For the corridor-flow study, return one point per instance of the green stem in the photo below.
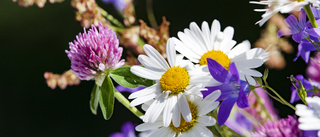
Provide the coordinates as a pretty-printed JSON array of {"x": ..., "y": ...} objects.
[
  {"x": 111, "y": 18},
  {"x": 283, "y": 100},
  {"x": 310, "y": 16},
  {"x": 262, "y": 105},
  {"x": 151, "y": 16},
  {"x": 126, "y": 103}
]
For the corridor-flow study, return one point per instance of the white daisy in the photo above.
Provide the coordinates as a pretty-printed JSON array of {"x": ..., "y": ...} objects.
[
  {"x": 196, "y": 128},
  {"x": 199, "y": 44},
  {"x": 174, "y": 82},
  {"x": 309, "y": 116},
  {"x": 282, "y": 6}
]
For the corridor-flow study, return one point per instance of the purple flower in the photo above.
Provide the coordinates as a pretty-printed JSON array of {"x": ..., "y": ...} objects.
[
  {"x": 313, "y": 70},
  {"x": 94, "y": 53},
  {"x": 120, "y": 5},
  {"x": 127, "y": 130},
  {"x": 287, "y": 127},
  {"x": 307, "y": 85},
  {"x": 130, "y": 90},
  {"x": 232, "y": 90},
  {"x": 304, "y": 49}
]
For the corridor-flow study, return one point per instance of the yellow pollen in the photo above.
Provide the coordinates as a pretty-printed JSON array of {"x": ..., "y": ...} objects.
[
  {"x": 185, "y": 126},
  {"x": 218, "y": 56},
  {"x": 175, "y": 79}
]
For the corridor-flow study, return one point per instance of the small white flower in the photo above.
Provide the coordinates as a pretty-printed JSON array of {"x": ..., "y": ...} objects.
[
  {"x": 282, "y": 6},
  {"x": 199, "y": 44},
  {"x": 195, "y": 128},
  {"x": 174, "y": 83},
  {"x": 309, "y": 116}
]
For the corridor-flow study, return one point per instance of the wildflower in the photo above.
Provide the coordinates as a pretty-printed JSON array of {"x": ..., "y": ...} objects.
[
  {"x": 94, "y": 53},
  {"x": 195, "y": 128},
  {"x": 304, "y": 49},
  {"x": 232, "y": 90},
  {"x": 309, "y": 115},
  {"x": 306, "y": 85},
  {"x": 127, "y": 130},
  {"x": 120, "y": 5},
  {"x": 130, "y": 90},
  {"x": 198, "y": 45},
  {"x": 287, "y": 127},
  {"x": 282, "y": 6},
  {"x": 313, "y": 69},
  {"x": 174, "y": 83}
]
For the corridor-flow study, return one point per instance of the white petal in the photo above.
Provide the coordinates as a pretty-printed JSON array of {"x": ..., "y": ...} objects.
[
  {"x": 154, "y": 54},
  {"x": 197, "y": 36},
  {"x": 250, "y": 80},
  {"x": 150, "y": 63},
  {"x": 143, "y": 92},
  {"x": 142, "y": 99},
  {"x": 251, "y": 63},
  {"x": 185, "y": 109},
  {"x": 206, "y": 35},
  {"x": 146, "y": 73},
  {"x": 250, "y": 72},
  {"x": 239, "y": 49},
  {"x": 155, "y": 109},
  {"x": 215, "y": 29},
  {"x": 206, "y": 120},
  {"x": 171, "y": 53},
  {"x": 185, "y": 50},
  {"x": 176, "y": 113},
  {"x": 149, "y": 126},
  {"x": 168, "y": 110},
  {"x": 205, "y": 132},
  {"x": 162, "y": 132},
  {"x": 206, "y": 106}
]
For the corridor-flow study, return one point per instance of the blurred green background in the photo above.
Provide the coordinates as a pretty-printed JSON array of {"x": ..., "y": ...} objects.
[{"x": 34, "y": 40}]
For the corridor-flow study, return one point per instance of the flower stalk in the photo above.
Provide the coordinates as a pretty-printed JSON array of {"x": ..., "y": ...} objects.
[{"x": 123, "y": 100}]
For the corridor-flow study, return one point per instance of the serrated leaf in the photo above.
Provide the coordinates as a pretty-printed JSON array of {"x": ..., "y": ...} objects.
[
  {"x": 106, "y": 98},
  {"x": 94, "y": 100},
  {"x": 124, "y": 77}
]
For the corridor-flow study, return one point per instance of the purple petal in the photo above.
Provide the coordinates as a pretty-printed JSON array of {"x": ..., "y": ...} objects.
[
  {"x": 128, "y": 129},
  {"x": 315, "y": 32},
  {"x": 130, "y": 90},
  {"x": 225, "y": 109},
  {"x": 118, "y": 134},
  {"x": 310, "y": 133},
  {"x": 225, "y": 90},
  {"x": 242, "y": 100},
  {"x": 233, "y": 70},
  {"x": 245, "y": 87},
  {"x": 217, "y": 71},
  {"x": 297, "y": 37},
  {"x": 294, "y": 95},
  {"x": 304, "y": 49},
  {"x": 292, "y": 22}
]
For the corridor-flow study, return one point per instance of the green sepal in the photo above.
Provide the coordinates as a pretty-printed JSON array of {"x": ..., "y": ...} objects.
[
  {"x": 106, "y": 98},
  {"x": 265, "y": 74},
  {"x": 94, "y": 100},
  {"x": 124, "y": 77},
  {"x": 259, "y": 80}
]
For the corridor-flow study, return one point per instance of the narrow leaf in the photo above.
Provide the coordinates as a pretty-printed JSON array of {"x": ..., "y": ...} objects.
[
  {"x": 124, "y": 77},
  {"x": 94, "y": 99},
  {"x": 106, "y": 98}
]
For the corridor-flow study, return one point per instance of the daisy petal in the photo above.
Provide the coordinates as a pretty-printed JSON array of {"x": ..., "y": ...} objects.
[
  {"x": 146, "y": 73},
  {"x": 171, "y": 53},
  {"x": 156, "y": 56}
]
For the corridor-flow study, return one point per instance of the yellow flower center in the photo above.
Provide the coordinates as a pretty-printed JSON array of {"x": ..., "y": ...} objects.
[
  {"x": 218, "y": 56},
  {"x": 185, "y": 126},
  {"x": 175, "y": 79}
]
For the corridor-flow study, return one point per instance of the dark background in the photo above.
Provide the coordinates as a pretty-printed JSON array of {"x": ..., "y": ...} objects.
[{"x": 33, "y": 40}]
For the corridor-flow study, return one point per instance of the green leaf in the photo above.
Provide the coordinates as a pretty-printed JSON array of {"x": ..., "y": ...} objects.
[
  {"x": 124, "y": 77},
  {"x": 94, "y": 100},
  {"x": 106, "y": 99}
]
